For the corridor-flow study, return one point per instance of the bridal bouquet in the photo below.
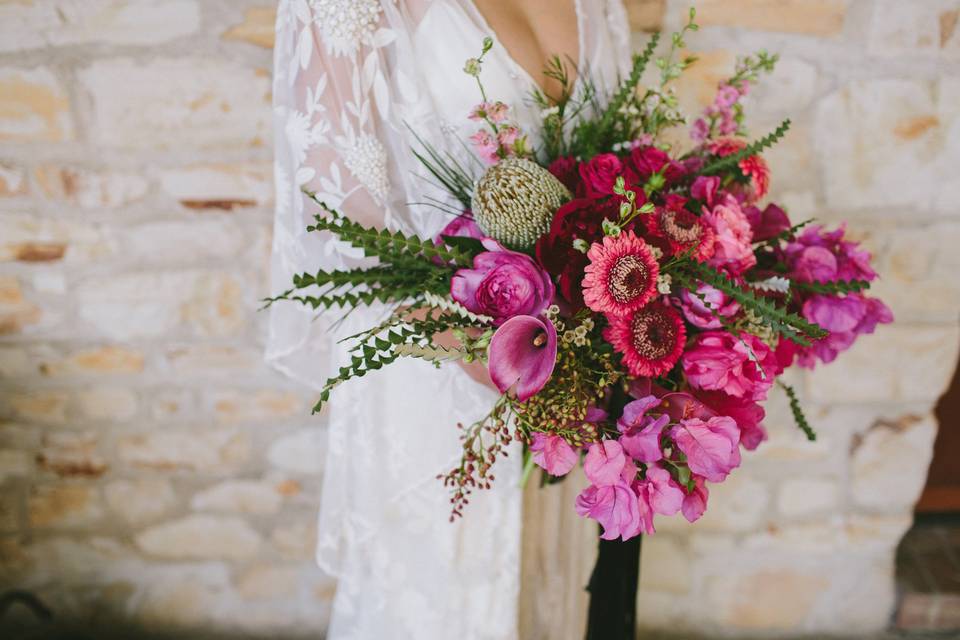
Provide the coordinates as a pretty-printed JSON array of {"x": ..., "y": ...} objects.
[{"x": 633, "y": 299}]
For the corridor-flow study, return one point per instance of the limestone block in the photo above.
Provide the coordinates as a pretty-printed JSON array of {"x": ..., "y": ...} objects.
[
  {"x": 239, "y": 496},
  {"x": 178, "y": 103},
  {"x": 61, "y": 506},
  {"x": 804, "y": 497},
  {"x": 34, "y": 106},
  {"x": 140, "y": 501},
  {"x": 43, "y": 23},
  {"x": 201, "y": 537},
  {"x": 208, "y": 450},
  {"x": 301, "y": 451},
  {"x": 890, "y": 143},
  {"x": 811, "y": 17},
  {"x": 889, "y": 463}
]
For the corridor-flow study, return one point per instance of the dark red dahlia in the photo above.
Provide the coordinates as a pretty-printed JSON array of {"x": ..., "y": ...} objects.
[{"x": 578, "y": 219}]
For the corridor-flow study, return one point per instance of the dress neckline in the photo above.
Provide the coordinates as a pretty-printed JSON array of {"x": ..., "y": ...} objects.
[{"x": 520, "y": 69}]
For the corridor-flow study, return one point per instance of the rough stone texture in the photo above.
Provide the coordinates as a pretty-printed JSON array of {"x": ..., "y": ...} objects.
[{"x": 153, "y": 470}]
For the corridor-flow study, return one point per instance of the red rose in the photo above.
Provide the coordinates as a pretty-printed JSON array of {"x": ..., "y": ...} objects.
[
  {"x": 646, "y": 161},
  {"x": 600, "y": 173},
  {"x": 564, "y": 169},
  {"x": 580, "y": 218}
]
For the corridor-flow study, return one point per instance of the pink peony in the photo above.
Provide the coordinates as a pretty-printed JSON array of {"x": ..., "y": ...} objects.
[
  {"x": 553, "y": 454},
  {"x": 712, "y": 447},
  {"x": 600, "y": 173},
  {"x": 641, "y": 433},
  {"x": 616, "y": 507},
  {"x": 502, "y": 284},
  {"x": 733, "y": 241},
  {"x": 719, "y": 361},
  {"x": 695, "y": 502},
  {"x": 696, "y": 310}
]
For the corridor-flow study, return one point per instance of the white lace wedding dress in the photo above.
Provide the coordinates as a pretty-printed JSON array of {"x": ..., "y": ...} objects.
[{"x": 352, "y": 79}]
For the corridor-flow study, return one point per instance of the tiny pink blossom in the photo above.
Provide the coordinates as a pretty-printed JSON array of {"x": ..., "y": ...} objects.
[
  {"x": 700, "y": 130},
  {"x": 604, "y": 462},
  {"x": 486, "y": 145},
  {"x": 493, "y": 111},
  {"x": 553, "y": 454},
  {"x": 712, "y": 447}
]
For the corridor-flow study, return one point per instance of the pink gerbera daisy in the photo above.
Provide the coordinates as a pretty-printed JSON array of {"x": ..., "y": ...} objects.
[
  {"x": 621, "y": 276},
  {"x": 651, "y": 340}
]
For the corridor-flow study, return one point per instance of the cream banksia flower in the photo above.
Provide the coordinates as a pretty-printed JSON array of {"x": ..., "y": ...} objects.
[{"x": 515, "y": 200}]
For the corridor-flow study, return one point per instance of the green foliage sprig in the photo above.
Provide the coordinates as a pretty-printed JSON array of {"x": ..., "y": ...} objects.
[
  {"x": 797, "y": 410},
  {"x": 751, "y": 149},
  {"x": 834, "y": 288},
  {"x": 789, "y": 325}
]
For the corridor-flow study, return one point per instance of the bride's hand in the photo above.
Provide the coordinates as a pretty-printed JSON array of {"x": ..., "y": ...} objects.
[{"x": 475, "y": 369}]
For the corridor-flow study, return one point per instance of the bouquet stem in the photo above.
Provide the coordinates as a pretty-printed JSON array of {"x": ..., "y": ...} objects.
[{"x": 613, "y": 591}]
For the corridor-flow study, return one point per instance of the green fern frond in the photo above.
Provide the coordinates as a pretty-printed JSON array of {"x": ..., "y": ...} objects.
[
  {"x": 834, "y": 288},
  {"x": 797, "y": 410},
  {"x": 751, "y": 149}
]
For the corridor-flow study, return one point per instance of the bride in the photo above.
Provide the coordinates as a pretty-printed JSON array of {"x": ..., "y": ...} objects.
[{"x": 355, "y": 83}]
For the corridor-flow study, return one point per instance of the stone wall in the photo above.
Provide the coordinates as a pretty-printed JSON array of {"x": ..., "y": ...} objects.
[{"x": 154, "y": 470}]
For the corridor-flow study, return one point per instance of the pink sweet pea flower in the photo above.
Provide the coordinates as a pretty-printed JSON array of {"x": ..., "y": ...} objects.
[
  {"x": 695, "y": 502},
  {"x": 523, "y": 352},
  {"x": 641, "y": 433},
  {"x": 553, "y": 454},
  {"x": 695, "y": 307},
  {"x": 604, "y": 463},
  {"x": 614, "y": 506},
  {"x": 747, "y": 414},
  {"x": 719, "y": 361},
  {"x": 663, "y": 493},
  {"x": 712, "y": 447}
]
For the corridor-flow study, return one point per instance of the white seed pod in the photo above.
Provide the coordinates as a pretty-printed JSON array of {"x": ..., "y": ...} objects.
[{"x": 515, "y": 200}]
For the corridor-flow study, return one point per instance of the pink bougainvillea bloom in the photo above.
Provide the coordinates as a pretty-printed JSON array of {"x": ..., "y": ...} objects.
[
  {"x": 553, "y": 454},
  {"x": 486, "y": 146},
  {"x": 695, "y": 502},
  {"x": 768, "y": 222},
  {"x": 621, "y": 276},
  {"x": 712, "y": 447},
  {"x": 747, "y": 414},
  {"x": 604, "y": 462},
  {"x": 614, "y": 506},
  {"x": 702, "y": 310},
  {"x": 850, "y": 262},
  {"x": 641, "y": 433},
  {"x": 522, "y": 353},
  {"x": 832, "y": 312},
  {"x": 663, "y": 493},
  {"x": 651, "y": 340},
  {"x": 720, "y": 361},
  {"x": 733, "y": 237}
]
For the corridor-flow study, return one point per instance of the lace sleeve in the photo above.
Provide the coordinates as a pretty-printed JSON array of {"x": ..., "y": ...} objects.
[{"x": 333, "y": 98}]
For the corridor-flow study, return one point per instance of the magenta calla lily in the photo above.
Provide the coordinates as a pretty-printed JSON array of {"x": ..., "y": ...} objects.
[{"x": 523, "y": 353}]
